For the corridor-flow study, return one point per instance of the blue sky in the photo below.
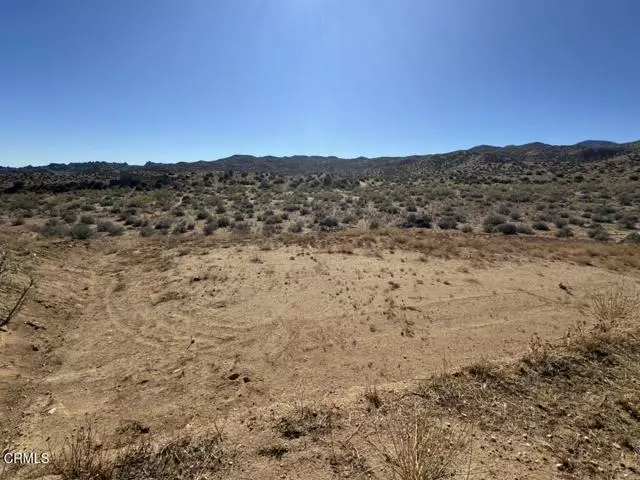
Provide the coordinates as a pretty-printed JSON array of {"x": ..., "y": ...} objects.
[{"x": 183, "y": 80}]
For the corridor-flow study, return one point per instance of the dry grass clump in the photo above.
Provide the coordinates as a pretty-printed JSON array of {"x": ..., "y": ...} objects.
[
  {"x": 615, "y": 306},
  {"x": 307, "y": 421},
  {"x": 421, "y": 447},
  {"x": 182, "y": 459},
  {"x": 579, "y": 396},
  {"x": 373, "y": 397},
  {"x": 84, "y": 457}
]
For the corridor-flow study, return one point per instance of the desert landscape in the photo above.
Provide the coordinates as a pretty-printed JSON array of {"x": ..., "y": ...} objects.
[{"x": 469, "y": 315}]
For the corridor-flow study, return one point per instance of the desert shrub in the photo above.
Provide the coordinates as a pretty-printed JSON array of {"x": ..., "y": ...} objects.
[
  {"x": 110, "y": 228},
  {"x": 598, "y": 233},
  {"x": 493, "y": 221},
  {"x": 418, "y": 221},
  {"x": 240, "y": 228},
  {"x": 506, "y": 229},
  {"x": 54, "y": 228},
  {"x": 539, "y": 225},
  {"x": 448, "y": 223},
  {"x": 81, "y": 231},
  {"x": 271, "y": 229},
  {"x": 564, "y": 232},
  {"x": 329, "y": 222},
  {"x": 210, "y": 227},
  {"x": 515, "y": 216},
  {"x": 524, "y": 229},
  {"x": 133, "y": 221},
  {"x": 202, "y": 215},
  {"x": 87, "y": 219},
  {"x": 69, "y": 217},
  {"x": 146, "y": 231},
  {"x": 504, "y": 210},
  {"x": 238, "y": 217},
  {"x": 296, "y": 227},
  {"x": 18, "y": 220},
  {"x": 628, "y": 221},
  {"x": 223, "y": 222},
  {"x": 272, "y": 219},
  {"x": 163, "y": 224},
  {"x": 561, "y": 222},
  {"x": 180, "y": 228},
  {"x": 178, "y": 212},
  {"x": 350, "y": 219},
  {"x": 466, "y": 228},
  {"x": 374, "y": 224},
  {"x": 633, "y": 237}
]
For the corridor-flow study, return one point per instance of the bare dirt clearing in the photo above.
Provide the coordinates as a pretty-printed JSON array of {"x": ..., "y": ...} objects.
[{"x": 169, "y": 337}]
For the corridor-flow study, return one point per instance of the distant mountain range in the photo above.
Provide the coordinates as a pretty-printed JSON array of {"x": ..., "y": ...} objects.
[{"x": 587, "y": 150}]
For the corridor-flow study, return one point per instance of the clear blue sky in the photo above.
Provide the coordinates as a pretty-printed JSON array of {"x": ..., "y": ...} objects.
[{"x": 183, "y": 80}]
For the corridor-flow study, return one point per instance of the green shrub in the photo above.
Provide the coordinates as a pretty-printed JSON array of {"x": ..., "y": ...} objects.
[
  {"x": 329, "y": 222},
  {"x": 202, "y": 215},
  {"x": 539, "y": 225},
  {"x": 633, "y": 237},
  {"x": 506, "y": 229},
  {"x": 564, "y": 232},
  {"x": 111, "y": 228},
  {"x": 69, "y": 217},
  {"x": 524, "y": 229},
  {"x": 417, "y": 221},
  {"x": 448, "y": 223},
  {"x": 54, "y": 228},
  {"x": 296, "y": 227},
  {"x": 561, "y": 222},
  {"x": 598, "y": 233},
  {"x": 163, "y": 224},
  {"x": 210, "y": 227},
  {"x": 146, "y": 231},
  {"x": 493, "y": 221},
  {"x": 81, "y": 231}
]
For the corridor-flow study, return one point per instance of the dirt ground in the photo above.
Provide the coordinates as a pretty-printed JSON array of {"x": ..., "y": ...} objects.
[{"x": 174, "y": 337}]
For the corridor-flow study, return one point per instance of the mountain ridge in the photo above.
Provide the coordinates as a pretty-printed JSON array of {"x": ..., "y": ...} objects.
[{"x": 302, "y": 164}]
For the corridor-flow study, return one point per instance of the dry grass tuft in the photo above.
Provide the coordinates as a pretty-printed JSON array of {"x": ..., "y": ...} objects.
[
  {"x": 82, "y": 456},
  {"x": 182, "y": 459},
  {"x": 373, "y": 397},
  {"x": 614, "y": 306},
  {"x": 421, "y": 447},
  {"x": 307, "y": 421}
]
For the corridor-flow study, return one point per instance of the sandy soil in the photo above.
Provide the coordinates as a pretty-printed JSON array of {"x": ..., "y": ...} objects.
[{"x": 176, "y": 337}]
